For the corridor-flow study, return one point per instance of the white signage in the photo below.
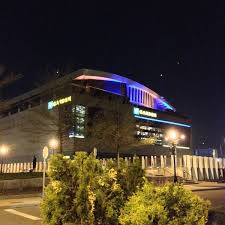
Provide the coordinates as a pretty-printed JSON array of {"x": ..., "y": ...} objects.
[
  {"x": 45, "y": 152},
  {"x": 57, "y": 102},
  {"x": 142, "y": 112}
]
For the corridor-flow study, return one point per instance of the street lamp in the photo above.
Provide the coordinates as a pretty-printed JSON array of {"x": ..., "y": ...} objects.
[
  {"x": 53, "y": 144},
  {"x": 3, "y": 151},
  {"x": 173, "y": 137}
]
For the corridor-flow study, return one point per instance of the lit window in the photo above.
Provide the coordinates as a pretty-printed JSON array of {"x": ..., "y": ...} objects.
[{"x": 78, "y": 112}]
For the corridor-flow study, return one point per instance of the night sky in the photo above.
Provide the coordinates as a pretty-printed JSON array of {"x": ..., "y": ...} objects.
[{"x": 177, "y": 48}]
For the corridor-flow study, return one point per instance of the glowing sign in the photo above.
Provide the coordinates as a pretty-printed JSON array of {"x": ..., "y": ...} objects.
[
  {"x": 163, "y": 121},
  {"x": 138, "y": 111},
  {"x": 61, "y": 101}
]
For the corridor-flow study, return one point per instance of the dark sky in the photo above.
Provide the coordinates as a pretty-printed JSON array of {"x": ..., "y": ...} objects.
[{"x": 182, "y": 40}]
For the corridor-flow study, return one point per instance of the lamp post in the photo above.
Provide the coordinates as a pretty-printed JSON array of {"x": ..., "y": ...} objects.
[
  {"x": 53, "y": 144},
  {"x": 45, "y": 156},
  {"x": 3, "y": 151},
  {"x": 173, "y": 137}
]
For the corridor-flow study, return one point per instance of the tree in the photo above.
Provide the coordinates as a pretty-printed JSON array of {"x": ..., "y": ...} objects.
[
  {"x": 39, "y": 122},
  {"x": 82, "y": 192},
  {"x": 171, "y": 204},
  {"x": 49, "y": 73},
  {"x": 130, "y": 177},
  {"x": 113, "y": 129},
  {"x": 61, "y": 121},
  {"x": 58, "y": 122},
  {"x": 7, "y": 77}
]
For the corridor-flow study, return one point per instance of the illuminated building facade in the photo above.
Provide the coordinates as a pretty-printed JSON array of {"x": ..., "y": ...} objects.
[
  {"x": 154, "y": 115},
  {"x": 80, "y": 92}
]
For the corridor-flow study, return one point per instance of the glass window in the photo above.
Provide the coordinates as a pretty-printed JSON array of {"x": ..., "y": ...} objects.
[{"x": 78, "y": 112}]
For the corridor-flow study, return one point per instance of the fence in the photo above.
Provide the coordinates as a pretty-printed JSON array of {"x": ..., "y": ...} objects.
[
  {"x": 21, "y": 167},
  {"x": 189, "y": 167}
]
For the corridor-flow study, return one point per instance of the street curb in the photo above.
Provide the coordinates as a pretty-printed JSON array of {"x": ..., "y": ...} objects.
[
  {"x": 15, "y": 196},
  {"x": 208, "y": 189}
]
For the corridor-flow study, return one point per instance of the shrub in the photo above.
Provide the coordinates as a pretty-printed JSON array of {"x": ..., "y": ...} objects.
[
  {"x": 130, "y": 177},
  {"x": 81, "y": 192},
  {"x": 171, "y": 204}
]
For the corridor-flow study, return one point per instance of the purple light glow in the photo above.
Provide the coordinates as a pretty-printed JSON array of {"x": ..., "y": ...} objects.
[{"x": 136, "y": 92}]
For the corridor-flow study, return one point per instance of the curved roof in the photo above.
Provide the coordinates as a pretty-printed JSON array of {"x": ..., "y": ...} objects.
[
  {"x": 137, "y": 93},
  {"x": 143, "y": 95}
]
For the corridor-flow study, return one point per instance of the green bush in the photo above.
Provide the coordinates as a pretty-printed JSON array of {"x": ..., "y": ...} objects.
[
  {"x": 82, "y": 192},
  {"x": 171, "y": 204},
  {"x": 130, "y": 177}
]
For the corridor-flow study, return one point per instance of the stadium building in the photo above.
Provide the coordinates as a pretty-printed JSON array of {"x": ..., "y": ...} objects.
[{"x": 27, "y": 122}]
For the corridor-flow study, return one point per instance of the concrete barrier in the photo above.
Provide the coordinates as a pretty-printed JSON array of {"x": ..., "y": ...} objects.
[
  {"x": 21, "y": 184},
  {"x": 21, "y": 167},
  {"x": 189, "y": 167}
]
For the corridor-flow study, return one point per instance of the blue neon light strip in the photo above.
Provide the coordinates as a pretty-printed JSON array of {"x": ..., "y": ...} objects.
[{"x": 162, "y": 121}]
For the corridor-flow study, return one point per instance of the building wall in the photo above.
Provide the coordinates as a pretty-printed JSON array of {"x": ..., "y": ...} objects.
[
  {"x": 27, "y": 132},
  {"x": 21, "y": 133}
]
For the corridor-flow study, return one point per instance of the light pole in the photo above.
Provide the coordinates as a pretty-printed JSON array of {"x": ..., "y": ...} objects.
[
  {"x": 3, "y": 151},
  {"x": 53, "y": 144},
  {"x": 45, "y": 156},
  {"x": 173, "y": 137}
]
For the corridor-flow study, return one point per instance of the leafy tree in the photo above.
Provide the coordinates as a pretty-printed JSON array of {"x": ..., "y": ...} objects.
[
  {"x": 59, "y": 121},
  {"x": 113, "y": 129},
  {"x": 8, "y": 77},
  {"x": 49, "y": 73},
  {"x": 45, "y": 124},
  {"x": 67, "y": 196},
  {"x": 171, "y": 204},
  {"x": 42, "y": 122},
  {"x": 81, "y": 191},
  {"x": 130, "y": 177}
]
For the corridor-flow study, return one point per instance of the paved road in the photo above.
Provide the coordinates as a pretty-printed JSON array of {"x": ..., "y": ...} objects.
[
  {"x": 217, "y": 197},
  {"x": 20, "y": 211},
  {"x": 24, "y": 210},
  {"x": 210, "y": 190}
]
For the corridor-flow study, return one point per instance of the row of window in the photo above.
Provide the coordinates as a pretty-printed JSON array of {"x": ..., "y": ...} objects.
[
  {"x": 149, "y": 134},
  {"x": 149, "y": 128},
  {"x": 156, "y": 138}
]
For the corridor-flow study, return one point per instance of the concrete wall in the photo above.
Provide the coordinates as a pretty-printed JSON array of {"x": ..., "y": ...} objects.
[{"x": 21, "y": 184}]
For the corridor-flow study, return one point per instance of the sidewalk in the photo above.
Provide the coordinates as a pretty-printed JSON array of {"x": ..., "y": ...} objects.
[
  {"x": 18, "y": 195},
  {"x": 204, "y": 186},
  {"x": 16, "y": 201}
]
